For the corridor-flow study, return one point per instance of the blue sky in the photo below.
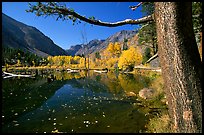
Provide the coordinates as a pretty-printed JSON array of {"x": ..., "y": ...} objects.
[{"x": 63, "y": 33}]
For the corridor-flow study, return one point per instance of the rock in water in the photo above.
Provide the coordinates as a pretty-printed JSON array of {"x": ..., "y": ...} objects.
[{"x": 146, "y": 93}]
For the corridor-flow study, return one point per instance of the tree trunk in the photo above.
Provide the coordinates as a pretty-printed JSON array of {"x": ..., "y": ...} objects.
[{"x": 181, "y": 65}]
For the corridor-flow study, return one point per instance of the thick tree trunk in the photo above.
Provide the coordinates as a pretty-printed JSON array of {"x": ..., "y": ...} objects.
[{"x": 181, "y": 65}]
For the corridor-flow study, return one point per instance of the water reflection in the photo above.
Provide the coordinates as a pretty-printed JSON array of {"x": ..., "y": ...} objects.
[{"x": 73, "y": 102}]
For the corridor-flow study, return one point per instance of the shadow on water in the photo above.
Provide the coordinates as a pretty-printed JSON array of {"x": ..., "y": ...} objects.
[
  {"x": 21, "y": 95},
  {"x": 73, "y": 102}
]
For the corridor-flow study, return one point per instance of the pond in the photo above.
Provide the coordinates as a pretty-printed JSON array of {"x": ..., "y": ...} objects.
[{"x": 74, "y": 103}]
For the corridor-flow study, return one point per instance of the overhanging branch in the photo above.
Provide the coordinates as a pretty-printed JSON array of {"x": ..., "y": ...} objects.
[
  {"x": 108, "y": 24},
  {"x": 65, "y": 14}
]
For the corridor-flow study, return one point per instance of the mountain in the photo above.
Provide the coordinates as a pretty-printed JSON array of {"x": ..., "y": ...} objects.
[
  {"x": 87, "y": 48},
  {"x": 19, "y": 35},
  {"x": 117, "y": 37},
  {"x": 73, "y": 49},
  {"x": 98, "y": 45},
  {"x": 90, "y": 47}
]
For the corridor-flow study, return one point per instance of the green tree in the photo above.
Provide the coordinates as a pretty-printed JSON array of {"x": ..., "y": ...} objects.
[
  {"x": 197, "y": 20},
  {"x": 146, "y": 55},
  {"x": 197, "y": 16},
  {"x": 147, "y": 8},
  {"x": 147, "y": 33},
  {"x": 97, "y": 55}
]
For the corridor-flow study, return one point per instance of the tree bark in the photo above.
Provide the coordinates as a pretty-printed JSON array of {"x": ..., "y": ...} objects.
[{"x": 181, "y": 65}]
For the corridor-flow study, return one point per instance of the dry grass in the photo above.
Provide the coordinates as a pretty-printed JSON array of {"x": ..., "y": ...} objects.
[
  {"x": 158, "y": 85},
  {"x": 159, "y": 125}
]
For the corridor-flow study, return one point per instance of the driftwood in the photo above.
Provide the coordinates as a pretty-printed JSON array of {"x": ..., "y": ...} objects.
[
  {"x": 13, "y": 75},
  {"x": 97, "y": 71},
  {"x": 148, "y": 68},
  {"x": 72, "y": 71}
]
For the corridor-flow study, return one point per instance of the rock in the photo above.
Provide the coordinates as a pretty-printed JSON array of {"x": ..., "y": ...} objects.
[
  {"x": 155, "y": 63},
  {"x": 146, "y": 93}
]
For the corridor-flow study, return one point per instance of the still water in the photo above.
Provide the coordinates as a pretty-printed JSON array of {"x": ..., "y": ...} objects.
[{"x": 73, "y": 102}]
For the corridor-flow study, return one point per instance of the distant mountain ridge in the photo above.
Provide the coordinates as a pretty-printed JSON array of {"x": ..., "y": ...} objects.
[
  {"x": 89, "y": 48},
  {"x": 98, "y": 45},
  {"x": 73, "y": 49},
  {"x": 19, "y": 35}
]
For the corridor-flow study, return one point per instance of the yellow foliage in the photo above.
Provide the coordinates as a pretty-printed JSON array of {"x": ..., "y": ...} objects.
[
  {"x": 117, "y": 48},
  {"x": 66, "y": 61},
  {"x": 110, "y": 47},
  {"x": 82, "y": 63},
  {"x": 114, "y": 48},
  {"x": 111, "y": 62},
  {"x": 130, "y": 57},
  {"x": 106, "y": 54}
]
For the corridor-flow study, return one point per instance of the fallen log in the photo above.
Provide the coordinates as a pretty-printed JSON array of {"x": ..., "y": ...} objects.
[{"x": 13, "y": 75}]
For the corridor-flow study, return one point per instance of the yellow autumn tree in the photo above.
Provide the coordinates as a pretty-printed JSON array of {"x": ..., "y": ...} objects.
[
  {"x": 111, "y": 62},
  {"x": 110, "y": 47},
  {"x": 67, "y": 61},
  {"x": 50, "y": 61},
  {"x": 129, "y": 58},
  {"x": 81, "y": 63},
  {"x": 117, "y": 48},
  {"x": 114, "y": 48}
]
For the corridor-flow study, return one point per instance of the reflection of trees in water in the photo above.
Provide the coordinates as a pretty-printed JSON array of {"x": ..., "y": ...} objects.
[
  {"x": 123, "y": 82},
  {"x": 32, "y": 93},
  {"x": 133, "y": 83},
  {"x": 67, "y": 76},
  {"x": 105, "y": 82}
]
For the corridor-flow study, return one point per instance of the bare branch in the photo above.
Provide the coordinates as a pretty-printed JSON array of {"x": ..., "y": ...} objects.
[
  {"x": 135, "y": 7},
  {"x": 65, "y": 13}
]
